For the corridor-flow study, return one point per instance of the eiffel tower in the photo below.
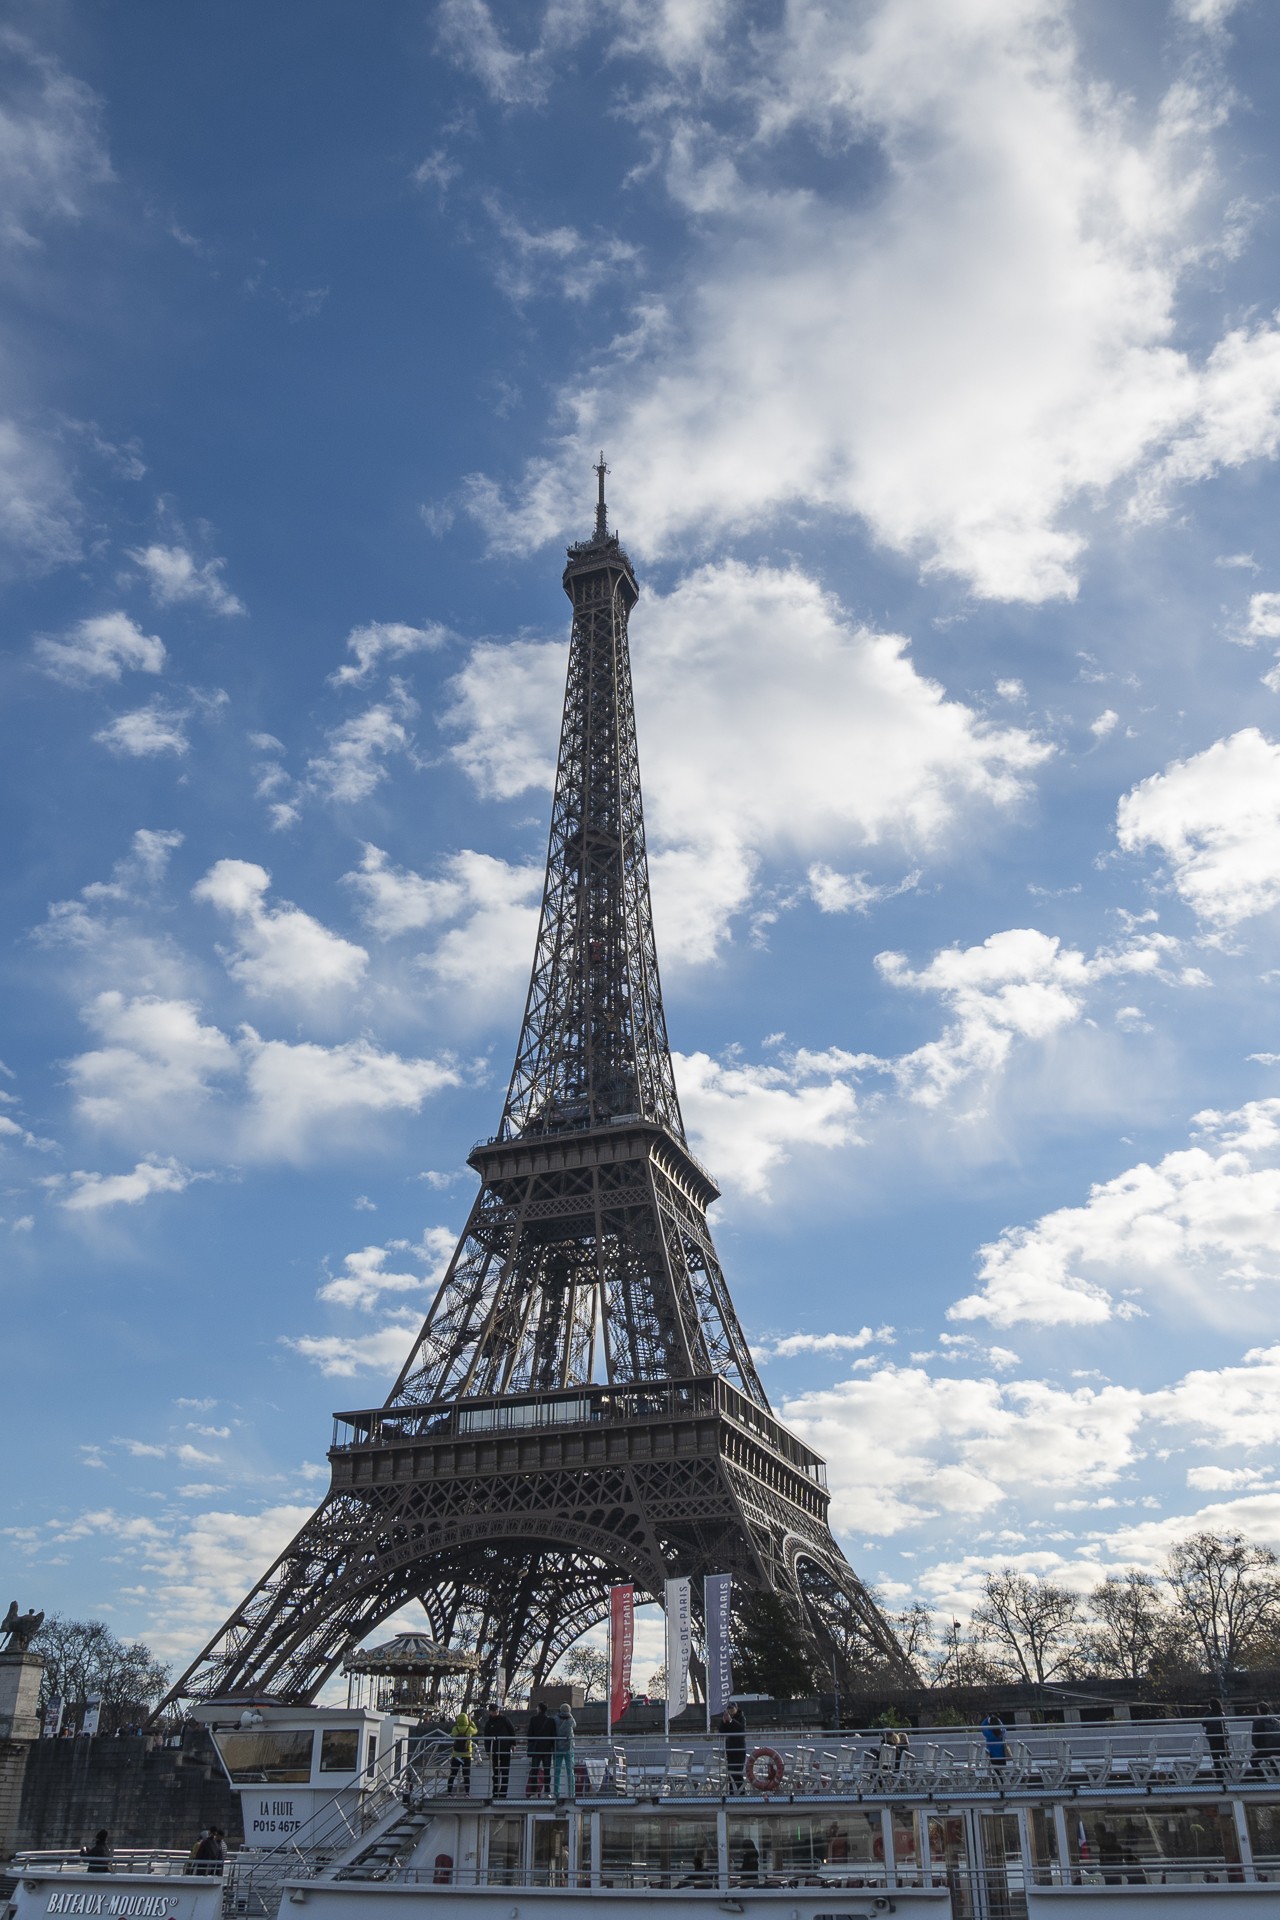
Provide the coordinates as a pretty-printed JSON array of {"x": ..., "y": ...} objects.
[{"x": 581, "y": 1406}]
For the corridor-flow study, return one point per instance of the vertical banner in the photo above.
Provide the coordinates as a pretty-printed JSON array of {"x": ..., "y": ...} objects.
[
  {"x": 716, "y": 1591},
  {"x": 92, "y": 1714},
  {"x": 622, "y": 1635},
  {"x": 678, "y": 1646},
  {"x": 51, "y": 1725}
]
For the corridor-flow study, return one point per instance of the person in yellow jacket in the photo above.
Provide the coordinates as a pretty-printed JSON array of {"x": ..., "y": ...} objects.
[{"x": 464, "y": 1732}]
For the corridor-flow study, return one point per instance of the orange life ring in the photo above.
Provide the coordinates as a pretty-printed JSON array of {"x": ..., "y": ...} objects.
[{"x": 770, "y": 1764}]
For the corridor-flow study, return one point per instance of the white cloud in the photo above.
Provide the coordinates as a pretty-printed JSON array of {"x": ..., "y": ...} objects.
[
  {"x": 1107, "y": 721},
  {"x": 1019, "y": 984},
  {"x": 282, "y": 951},
  {"x": 965, "y": 357},
  {"x": 196, "y": 1567},
  {"x": 1216, "y": 819},
  {"x": 468, "y": 32},
  {"x": 384, "y": 640},
  {"x": 91, "y": 1192},
  {"x": 51, "y": 149},
  {"x": 158, "y": 1057},
  {"x": 39, "y": 512},
  {"x": 160, "y": 726},
  {"x": 366, "y": 1279},
  {"x": 748, "y": 1120},
  {"x": 903, "y": 1447},
  {"x": 100, "y": 648},
  {"x": 1201, "y": 1226},
  {"x": 484, "y": 956},
  {"x": 844, "y": 892},
  {"x": 1263, "y": 621},
  {"x": 251, "y": 1098},
  {"x": 353, "y": 763},
  {"x": 562, "y": 260},
  {"x": 300, "y": 1092},
  {"x": 395, "y": 900},
  {"x": 150, "y": 730},
  {"x": 789, "y": 1345},
  {"x": 52, "y": 158},
  {"x": 341, "y": 1355},
  {"x": 773, "y": 727},
  {"x": 174, "y": 578}
]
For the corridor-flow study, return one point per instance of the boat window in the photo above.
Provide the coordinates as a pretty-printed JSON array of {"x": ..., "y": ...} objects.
[
  {"x": 1264, "y": 1838},
  {"x": 506, "y": 1848},
  {"x": 844, "y": 1848},
  {"x": 254, "y": 1756},
  {"x": 1044, "y": 1842},
  {"x": 658, "y": 1852},
  {"x": 340, "y": 1750},
  {"x": 949, "y": 1858},
  {"x": 904, "y": 1840},
  {"x": 550, "y": 1864},
  {"x": 1120, "y": 1845}
]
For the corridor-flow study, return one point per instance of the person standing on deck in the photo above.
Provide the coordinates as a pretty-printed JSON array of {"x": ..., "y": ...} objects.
[
  {"x": 992, "y": 1727},
  {"x": 464, "y": 1732},
  {"x": 499, "y": 1739},
  {"x": 99, "y": 1854},
  {"x": 1264, "y": 1738},
  {"x": 1215, "y": 1733},
  {"x": 565, "y": 1729},
  {"x": 733, "y": 1726},
  {"x": 539, "y": 1740}
]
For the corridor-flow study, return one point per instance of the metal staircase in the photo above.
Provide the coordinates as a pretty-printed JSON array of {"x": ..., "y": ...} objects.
[{"x": 392, "y": 1848}]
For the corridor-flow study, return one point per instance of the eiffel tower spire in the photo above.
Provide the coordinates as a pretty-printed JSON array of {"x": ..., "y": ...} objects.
[{"x": 581, "y": 1405}]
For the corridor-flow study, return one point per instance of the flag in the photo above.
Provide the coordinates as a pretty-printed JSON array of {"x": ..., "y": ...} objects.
[
  {"x": 622, "y": 1634},
  {"x": 678, "y": 1644},
  {"x": 716, "y": 1589}
]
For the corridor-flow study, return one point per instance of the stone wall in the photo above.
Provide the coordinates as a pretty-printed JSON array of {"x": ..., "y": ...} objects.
[{"x": 146, "y": 1795}]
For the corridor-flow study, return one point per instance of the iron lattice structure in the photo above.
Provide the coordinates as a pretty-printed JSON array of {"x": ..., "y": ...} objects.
[{"x": 581, "y": 1406}]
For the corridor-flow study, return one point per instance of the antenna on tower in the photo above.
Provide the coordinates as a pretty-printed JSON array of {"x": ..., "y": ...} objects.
[{"x": 602, "y": 526}]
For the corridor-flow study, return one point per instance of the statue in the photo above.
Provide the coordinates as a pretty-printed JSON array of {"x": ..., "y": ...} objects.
[{"x": 21, "y": 1628}]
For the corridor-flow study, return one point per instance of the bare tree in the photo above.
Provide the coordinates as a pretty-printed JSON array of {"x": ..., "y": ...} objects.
[
  {"x": 1032, "y": 1623},
  {"x": 1132, "y": 1628},
  {"x": 588, "y": 1665},
  {"x": 83, "y": 1659},
  {"x": 1227, "y": 1594},
  {"x": 914, "y": 1630},
  {"x": 964, "y": 1659}
]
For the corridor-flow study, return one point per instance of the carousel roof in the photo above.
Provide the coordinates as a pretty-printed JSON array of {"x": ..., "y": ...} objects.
[{"x": 408, "y": 1654}]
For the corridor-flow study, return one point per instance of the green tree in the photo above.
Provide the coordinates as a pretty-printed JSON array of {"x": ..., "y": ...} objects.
[{"x": 769, "y": 1654}]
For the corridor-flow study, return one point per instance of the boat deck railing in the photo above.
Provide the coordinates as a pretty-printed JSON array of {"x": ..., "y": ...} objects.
[
  {"x": 138, "y": 1860},
  {"x": 1145, "y": 1757}
]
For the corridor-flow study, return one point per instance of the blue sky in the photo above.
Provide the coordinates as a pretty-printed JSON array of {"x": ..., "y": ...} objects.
[{"x": 934, "y": 347}]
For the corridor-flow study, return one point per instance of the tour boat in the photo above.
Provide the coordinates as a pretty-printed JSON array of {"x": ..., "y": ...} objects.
[{"x": 346, "y": 1810}]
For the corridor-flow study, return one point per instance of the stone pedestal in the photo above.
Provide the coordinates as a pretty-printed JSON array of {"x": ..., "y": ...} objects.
[
  {"x": 20, "y": 1675},
  {"x": 19, "y": 1726}
]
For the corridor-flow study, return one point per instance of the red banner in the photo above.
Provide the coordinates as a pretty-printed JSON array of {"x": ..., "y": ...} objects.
[{"x": 622, "y": 1633}]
